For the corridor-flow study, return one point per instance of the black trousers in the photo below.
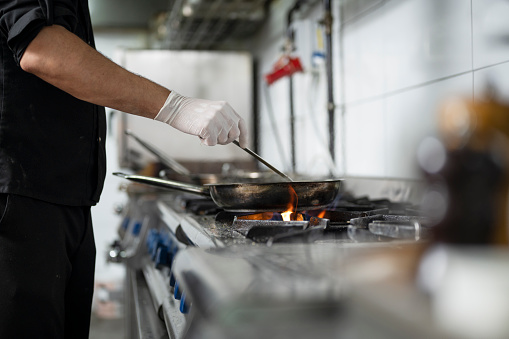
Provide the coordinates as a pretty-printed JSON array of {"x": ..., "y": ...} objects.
[{"x": 47, "y": 260}]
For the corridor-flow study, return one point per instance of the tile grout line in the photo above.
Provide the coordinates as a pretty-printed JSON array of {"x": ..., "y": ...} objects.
[{"x": 409, "y": 88}]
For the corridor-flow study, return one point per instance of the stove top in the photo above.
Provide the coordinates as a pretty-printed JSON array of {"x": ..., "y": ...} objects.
[{"x": 347, "y": 220}]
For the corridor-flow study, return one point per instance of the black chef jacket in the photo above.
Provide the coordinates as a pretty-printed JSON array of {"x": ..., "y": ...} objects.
[{"x": 51, "y": 144}]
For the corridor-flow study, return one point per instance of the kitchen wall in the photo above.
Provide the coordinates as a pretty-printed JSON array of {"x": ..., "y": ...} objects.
[{"x": 395, "y": 62}]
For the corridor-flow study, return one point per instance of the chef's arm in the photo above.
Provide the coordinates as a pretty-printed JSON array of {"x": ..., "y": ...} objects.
[{"x": 62, "y": 59}]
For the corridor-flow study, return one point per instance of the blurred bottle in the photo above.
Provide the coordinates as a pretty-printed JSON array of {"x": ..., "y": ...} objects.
[{"x": 471, "y": 176}]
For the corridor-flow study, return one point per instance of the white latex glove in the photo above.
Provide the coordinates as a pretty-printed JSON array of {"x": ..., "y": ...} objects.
[{"x": 214, "y": 122}]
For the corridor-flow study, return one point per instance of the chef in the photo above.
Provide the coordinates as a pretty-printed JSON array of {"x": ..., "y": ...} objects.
[{"x": 53, "y": 86}]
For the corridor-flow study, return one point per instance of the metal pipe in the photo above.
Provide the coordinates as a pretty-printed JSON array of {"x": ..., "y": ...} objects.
[
  {"x": 290, "y": 39},
  {"x": 330, "y": 87},
  {"x": 292, "y": 125},
  {"x": 342, "y": 87}
]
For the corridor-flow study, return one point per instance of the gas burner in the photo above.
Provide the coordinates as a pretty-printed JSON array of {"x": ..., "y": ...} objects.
[
  {"x": 349, "y": 219},
  {"x": 348, "y": 203},
  {"x": 383, "y": 227},
  {"x": 339, "y": 217}
]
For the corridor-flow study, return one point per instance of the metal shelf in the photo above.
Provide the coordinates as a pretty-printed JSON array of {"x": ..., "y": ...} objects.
[{"x": 200, "y": 24}]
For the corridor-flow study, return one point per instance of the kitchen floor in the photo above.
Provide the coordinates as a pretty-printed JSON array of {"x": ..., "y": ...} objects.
[
  {"x": 107, "y": 321},
  {"x": 101, "y": 328}
]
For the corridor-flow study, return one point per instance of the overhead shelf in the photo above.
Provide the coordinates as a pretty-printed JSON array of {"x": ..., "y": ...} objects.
[{"x": 200, "y": 24}]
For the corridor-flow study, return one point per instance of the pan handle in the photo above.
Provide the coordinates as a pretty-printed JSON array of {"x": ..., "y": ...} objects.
[{"x": 176, "y": 185}]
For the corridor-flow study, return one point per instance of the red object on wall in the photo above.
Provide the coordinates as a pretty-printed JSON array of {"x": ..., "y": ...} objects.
[{"x": 285, "y": 66}]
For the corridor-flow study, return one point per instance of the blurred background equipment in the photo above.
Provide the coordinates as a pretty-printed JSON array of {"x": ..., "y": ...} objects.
[{"x": 474, "y": 173}]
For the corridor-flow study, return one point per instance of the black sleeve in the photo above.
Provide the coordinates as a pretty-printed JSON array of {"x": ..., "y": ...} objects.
[{"x": 21, "y": 20}]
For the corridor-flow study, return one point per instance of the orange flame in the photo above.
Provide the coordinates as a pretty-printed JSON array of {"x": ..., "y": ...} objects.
[
  {"x": 321, "y": 214},
  {"x": 287, "y": 216},
  {"x": 290, "y": 213},
  {"x": 257, "y": 216}
]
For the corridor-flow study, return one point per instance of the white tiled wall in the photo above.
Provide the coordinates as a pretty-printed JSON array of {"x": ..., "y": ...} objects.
[
  {"x": 490, "y": 32},
  {"x": 395, "y": 62},
  {"x": 363, "y": 59},
  {"x": 424, "y": 41},
  {"x": 365, "y": 137}
]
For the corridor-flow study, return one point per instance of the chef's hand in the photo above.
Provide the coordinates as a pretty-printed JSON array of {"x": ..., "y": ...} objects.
[{"x": 214, "y": 122}]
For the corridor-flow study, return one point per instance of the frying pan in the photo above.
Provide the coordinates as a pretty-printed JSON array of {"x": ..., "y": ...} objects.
[{"x": 254, "y": 197}]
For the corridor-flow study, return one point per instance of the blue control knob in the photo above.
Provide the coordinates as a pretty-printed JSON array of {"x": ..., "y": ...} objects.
[
  {"x": 155, "y": 246},
  {"x": 171, "y": 255},
  {"x": 137, "y": 228},
  {"x": 125, "y": 223},
  {"x": 152, "y": 238},
  {"x": 177, "y": 293},
  {"x": 162, "y": 258},
  {"x": 184, "y": 307}
]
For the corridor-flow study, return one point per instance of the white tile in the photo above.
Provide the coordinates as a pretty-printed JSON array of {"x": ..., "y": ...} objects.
[
  {"x": 413, "y": 115},
  {"x": 426, "y": 40},
  {"x": 365, "y": 139},
  {"x": 490, "y": 32},
  {"x": 406, "y": 43},
  {"x": 363, "y": 59},
  {"x": 339, "y": 144}
]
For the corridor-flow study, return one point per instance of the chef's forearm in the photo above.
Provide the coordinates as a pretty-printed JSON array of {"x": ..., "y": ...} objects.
[{"x": 65, "y": 61}]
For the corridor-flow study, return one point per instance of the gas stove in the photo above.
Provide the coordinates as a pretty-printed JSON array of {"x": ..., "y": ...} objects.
[
  {"x": 227, "y": 275},
  {"x": 346, "y": 220}
]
